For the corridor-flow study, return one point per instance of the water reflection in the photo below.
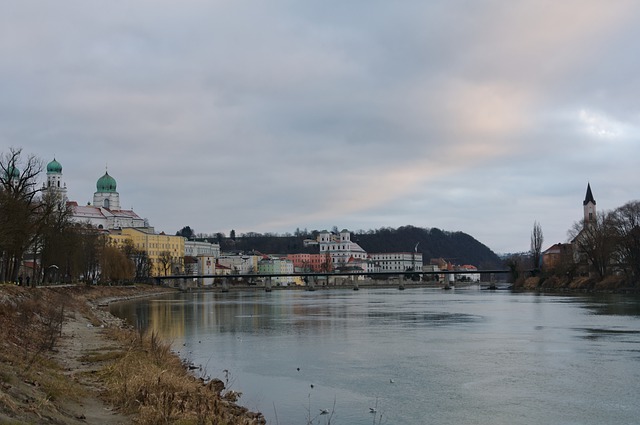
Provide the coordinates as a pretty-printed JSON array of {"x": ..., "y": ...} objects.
[
  {"x": 471, "y": 357},
  {"x": 614, "y": 304}
]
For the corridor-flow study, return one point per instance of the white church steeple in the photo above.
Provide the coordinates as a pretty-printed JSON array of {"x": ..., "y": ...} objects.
[
  {"x": 106, "y": 195},
  {"x": 54, "y": 179},
  {"x": 589, "y": 206}
]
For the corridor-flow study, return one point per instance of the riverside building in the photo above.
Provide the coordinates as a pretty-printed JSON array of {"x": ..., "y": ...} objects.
[
  {"x": 397, "y": 261},
  {"x": 340, "y": 248}
]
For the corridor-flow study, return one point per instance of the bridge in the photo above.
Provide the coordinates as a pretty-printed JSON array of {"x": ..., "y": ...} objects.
[{"x": 311, "y": 278}]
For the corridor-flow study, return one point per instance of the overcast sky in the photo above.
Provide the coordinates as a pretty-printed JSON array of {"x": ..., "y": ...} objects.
[{"x": 267, "y": 116}]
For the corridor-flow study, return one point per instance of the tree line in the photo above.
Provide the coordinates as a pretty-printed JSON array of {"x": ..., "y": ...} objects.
[
  {"x": 606, "y": 246},
  {"x": 610, "y": 243}
]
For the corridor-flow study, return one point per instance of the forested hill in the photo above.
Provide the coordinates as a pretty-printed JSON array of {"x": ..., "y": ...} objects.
[{"x": 456, "y": 247}]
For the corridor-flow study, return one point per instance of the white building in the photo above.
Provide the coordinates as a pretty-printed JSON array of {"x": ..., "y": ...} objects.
[
  {"x": 358, "y": 265},
  {"x": 105, "y": 212},
  {"x": 197, "y": 248},
  {"x": 54, "y": 180},
  {"x": 340, "y": 248},
  {"x": 103, "y": 218},
  {"x": 397, "y": 261},
  {"x": 240, "y": 264},
  {"x": 206, "y": 266}
]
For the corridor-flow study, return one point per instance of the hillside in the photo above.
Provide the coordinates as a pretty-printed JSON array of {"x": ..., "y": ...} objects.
[{"x": 457, "y": 247}]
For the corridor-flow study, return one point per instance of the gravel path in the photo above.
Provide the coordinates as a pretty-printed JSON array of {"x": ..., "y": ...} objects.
[{"x": 79, "y": 338}]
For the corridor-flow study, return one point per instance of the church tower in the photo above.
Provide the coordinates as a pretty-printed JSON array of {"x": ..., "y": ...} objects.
[
  {"x": 54, "y": 179},
  {"x": 589, "y": 206},
  {"x": 106, "y": 195}
]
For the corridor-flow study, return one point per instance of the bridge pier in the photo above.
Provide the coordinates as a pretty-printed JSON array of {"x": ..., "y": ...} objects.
[
  {"x": 225, "y": 284},
  {"x": 267, "y": 284}
]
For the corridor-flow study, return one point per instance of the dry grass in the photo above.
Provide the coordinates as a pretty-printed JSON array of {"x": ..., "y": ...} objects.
[
  {"x": 141, "y": 374},
  {"x": 150, "y": 379},
  {"x": 30, "y": 326}
]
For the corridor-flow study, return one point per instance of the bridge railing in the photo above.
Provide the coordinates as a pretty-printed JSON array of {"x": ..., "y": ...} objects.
[{"x": 408, "y": 273}]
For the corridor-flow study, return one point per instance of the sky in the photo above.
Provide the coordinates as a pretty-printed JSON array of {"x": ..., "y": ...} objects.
[{"x": 270, "y": 116}]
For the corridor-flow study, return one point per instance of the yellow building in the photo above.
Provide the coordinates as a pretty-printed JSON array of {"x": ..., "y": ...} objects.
[{"x": 165, "y": 252}]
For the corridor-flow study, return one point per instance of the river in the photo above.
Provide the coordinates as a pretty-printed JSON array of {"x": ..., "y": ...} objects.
[{"x": 419, "y": 356}]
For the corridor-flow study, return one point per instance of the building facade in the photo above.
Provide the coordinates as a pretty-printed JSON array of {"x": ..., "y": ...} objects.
[
  {"x": 397, "y": 261},
  {"x": 166, "y": 252},
  {"x": 340, "y": 248},
  {"x": 54, "y": 184},
  {"x": 197, "y": 248},
  {"x": 278, "y": 266},
  {"x": 589, "y": 206},
  {"x": 310, "y": 262},
  {"x": 240, "y": 264},
  {"x": 105, "y": 212}
]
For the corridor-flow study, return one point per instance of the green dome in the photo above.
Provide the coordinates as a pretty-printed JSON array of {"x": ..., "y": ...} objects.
[
  {"x": 13, "y": 172},
  {"x": 106, "y": 183},
  {"x": 54, "y": 167}
]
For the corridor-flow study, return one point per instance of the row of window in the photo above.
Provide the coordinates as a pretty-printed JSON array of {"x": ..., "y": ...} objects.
[
  {"x": 396, "y": 262},
  {"x": 334, "y": 247},
  {"x": 395, "y": 257}
]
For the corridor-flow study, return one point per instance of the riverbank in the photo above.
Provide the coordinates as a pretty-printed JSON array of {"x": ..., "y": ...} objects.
[
  {"x": 610, "y": 284},
  {"x": 65, "y": 360}
]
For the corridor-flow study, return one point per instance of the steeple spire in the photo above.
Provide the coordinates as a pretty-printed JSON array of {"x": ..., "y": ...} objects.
[
  {"x": 589, "y": 196},
  {"x": 589, "y": 206}
]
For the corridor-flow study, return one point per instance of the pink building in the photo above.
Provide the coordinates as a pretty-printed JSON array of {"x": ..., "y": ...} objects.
[{"x": 310, "y": 262}]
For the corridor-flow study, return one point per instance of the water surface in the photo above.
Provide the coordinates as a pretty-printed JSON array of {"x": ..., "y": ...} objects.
[{"x": 419, "y": 356}]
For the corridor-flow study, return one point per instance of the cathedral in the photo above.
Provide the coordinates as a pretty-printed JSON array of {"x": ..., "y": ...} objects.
[{"x": 104, "y": 212}]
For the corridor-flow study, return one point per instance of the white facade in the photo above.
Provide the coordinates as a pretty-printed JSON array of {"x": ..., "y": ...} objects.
[
  {"x": 589, "y": 206},
  {"x": 206, "y": 266},
  {"x": 196, "y": 249},
  {"x": 397, "y": 261},
  {"x": 103, "y": 218},
  {"x": 358, "y": 265},
  {"x": 107, "y": 200},
  {"x": 54, "y": 180},
  {"x": 240, "y": 264},
  {"x": 106, "y": 195},
  {"x": 340, "y": 248},
  {"x": 105, "y": 213}
]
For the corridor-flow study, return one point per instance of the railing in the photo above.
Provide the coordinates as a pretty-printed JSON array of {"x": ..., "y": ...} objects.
[{"x": 330, "y": 274}]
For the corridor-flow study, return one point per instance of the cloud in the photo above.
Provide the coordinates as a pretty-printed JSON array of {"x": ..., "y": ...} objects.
[{"x": 473, "y": 116}]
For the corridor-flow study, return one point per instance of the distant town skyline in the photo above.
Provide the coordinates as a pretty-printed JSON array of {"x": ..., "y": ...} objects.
[{"x": 480, "y": 117}]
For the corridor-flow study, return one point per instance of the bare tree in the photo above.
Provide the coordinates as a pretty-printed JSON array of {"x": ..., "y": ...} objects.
[
  {"x": 56, "y": 239},
  {"x": 626, "y": 221},
  {"x": 516, "y": 270},
  {"x": 536, "y": 245},
  {"x": 19, "y": 209},
  {"x": 166, "y": 261},
  {"x": 88, "y": 252},
  {"x": 140, "y": 259},
  {"x": 595, "y": 242}
]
